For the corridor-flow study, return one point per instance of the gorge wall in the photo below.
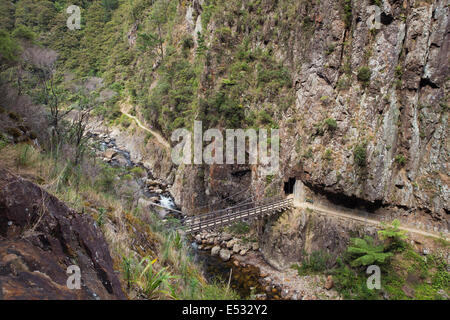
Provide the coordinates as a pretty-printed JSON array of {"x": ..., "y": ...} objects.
[{"x": 370, "y": 117}]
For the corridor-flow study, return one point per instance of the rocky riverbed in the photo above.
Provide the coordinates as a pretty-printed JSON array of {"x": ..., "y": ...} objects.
[
  {"x": 253, "y": 276},
  {"x": 153, "y": 190}
]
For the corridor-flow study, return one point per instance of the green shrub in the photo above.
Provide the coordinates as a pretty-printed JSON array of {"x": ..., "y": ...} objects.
[
  {"x": 331, "y": 124},
  {"x": 316, "y": 262},
  {"x": 398, "y": 71},
  {"x": 359, "y": 155},
  {"x": 101, "y": 216},
  {"x": 330, "y": 49},
  {"x": 364, "y": 74},
  {"x": 228, "y": 82},
  {"x": 8, "y": 47},
  {"x": 188, "y": 42},
  {"x": 201, "y": 46},
  {"x": 125, "y": 121},
  {"x": 351, "y": 284},
  {"x": 25, "y": 156},
  {"x": 3, "y": 142},
  {"x": 347, "y": 4},
  {"x": 127, "y": 177},
  {"x": 23, "y": 32},
  {"x": 106, "y": 180},
  {"x": 400, "y": 159},
  {"x": 265, "y": 118},
  {"x": 218, "y": 291},
  {"x": 138, "y": 172},
  {"x": 224, "y": 35},
  {"x": 343, "y": 83},
  {"x": 148, "y": 136},
  {"x": 328, "y": 155},
  {"x": 239, "y": 228}
]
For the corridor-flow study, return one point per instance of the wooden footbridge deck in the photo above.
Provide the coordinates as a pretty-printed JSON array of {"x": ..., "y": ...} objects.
[
  {"x": 224, "y": 217},
  {"x": 221, "y": 218}
]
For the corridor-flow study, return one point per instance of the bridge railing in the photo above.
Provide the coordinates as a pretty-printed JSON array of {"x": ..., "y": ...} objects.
[
  {"x": 214, "y": 220},
  {"x": 229, "y": 210}
]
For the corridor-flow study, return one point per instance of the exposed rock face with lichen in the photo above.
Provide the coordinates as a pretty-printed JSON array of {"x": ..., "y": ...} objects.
[
  {"x": 399, "y": 116},
  {"x": 40, "y": 238}
]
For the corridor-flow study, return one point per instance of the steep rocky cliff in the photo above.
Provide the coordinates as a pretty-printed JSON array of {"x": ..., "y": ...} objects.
[
  {"x": 398, "y": 116},
  {"x": 370, "y": 118},
  {"x": 369, "y": 125}
]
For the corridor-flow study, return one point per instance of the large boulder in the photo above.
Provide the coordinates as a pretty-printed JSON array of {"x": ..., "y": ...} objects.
[
  {"x": 40, "y": 237},
  {"x": 109, "y": 154},
  {"x": 215, "y": 250},
  {"x": 225, "y": 254}
]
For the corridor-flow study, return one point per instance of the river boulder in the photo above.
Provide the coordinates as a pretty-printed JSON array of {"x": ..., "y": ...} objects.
[
  {"x": 215, "y": 250},
  {"x": 225, "y": 254}
]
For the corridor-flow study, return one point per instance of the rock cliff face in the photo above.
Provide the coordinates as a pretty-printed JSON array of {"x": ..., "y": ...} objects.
[
  {"x": 40, "y": 238},
  {"x": 369, "y": 126},
  {"x": 370, "y": 119},
  {"x": 295, "y": 234},
  {"x": 398, "y": 117}
]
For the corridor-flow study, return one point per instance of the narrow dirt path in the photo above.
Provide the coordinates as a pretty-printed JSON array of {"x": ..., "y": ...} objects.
[
  {"x": 365, "y": 220},
  {"x": 158, "y": 136}
]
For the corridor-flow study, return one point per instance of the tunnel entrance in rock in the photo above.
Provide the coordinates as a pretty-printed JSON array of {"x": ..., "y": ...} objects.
[{"x": 289, "y": 186}]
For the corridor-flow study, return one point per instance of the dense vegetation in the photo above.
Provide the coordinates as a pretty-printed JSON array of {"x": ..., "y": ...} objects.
[
  {"x": 142, "y": 54},
  {"x": 404, "y": 273}
]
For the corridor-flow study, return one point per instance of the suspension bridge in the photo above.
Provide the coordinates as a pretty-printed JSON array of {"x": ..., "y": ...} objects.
[{"x": 242, "y": 212}]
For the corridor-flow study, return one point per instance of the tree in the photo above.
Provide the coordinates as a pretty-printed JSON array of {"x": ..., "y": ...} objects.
[
  {"x": 109, "y": 5},
  {"x": 153, "y": 41},
  {"x": 77, "y": 131},
  {"x": 367, "y": 252},
  {"x": 51, "y": 96},
  {"x": 8, "y": 48}
]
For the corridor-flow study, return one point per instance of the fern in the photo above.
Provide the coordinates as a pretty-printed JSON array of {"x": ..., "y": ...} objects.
[
  {"x": 393, "y": 235},
  {"x": 367, "y": 252}
]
